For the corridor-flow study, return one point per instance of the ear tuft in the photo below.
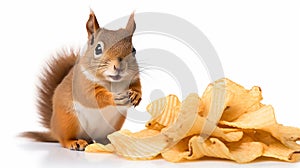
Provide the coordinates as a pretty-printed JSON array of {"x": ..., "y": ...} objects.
[
  {"x": 131, "y": 24},
  {"x": 92, "y": 24}
]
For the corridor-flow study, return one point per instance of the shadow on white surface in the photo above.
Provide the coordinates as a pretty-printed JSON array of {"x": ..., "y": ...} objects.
[{"x": 53, "y": 155}]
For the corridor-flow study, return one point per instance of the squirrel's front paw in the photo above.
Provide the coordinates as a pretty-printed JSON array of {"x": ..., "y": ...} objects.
[
  {"x": 121, "y": 98},
  {"x": 134, "y": 97}
]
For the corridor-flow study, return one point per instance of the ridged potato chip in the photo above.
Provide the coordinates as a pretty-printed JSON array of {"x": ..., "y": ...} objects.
[
  {"x": 260, "y": 119},
  {"x": 156, "y": 107},
  {"x": 253, "y": 145},
  {"x": 241, "y": 152},
  {"x": 97, "y": 147},
  {"x": 213, "y": 104},
  {"x": 264, "y": 119},
  {"x": 286, "y": 135},
  {"x": 273, "y": 147},
  {"x": 145, "y": 144},
  {"x": 177, "y": 152},
  {"x": 228, "y": 134},
  {"x": 164, "y": 112},
  {"x": 185, "y": 120},
  {"x": 238, "y": 99}
]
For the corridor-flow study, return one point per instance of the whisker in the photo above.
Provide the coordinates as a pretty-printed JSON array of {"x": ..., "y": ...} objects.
[
  {"x": 145, "y": 68},
  {"x": 146, "y": 74},
  {"x": 95, "y": 67},
  {"x": 142, "y": 71},
  {"x": 144, "y": 64}
]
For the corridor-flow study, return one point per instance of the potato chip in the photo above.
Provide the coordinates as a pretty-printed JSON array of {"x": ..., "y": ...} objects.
[
  {"x": 228, "y": 134},
  {"x": 264, "y": 119},
  {"x": 238, "y": 99},
  {"x": 281, "y": 152},
  {"x": 164, "y": 112},
  {"x": 241, "y": 152},
  {"x": 273, "y": 147},
  {"x": 260, "y": 119},
  {"x": 212, "y": 107},
  {"x": 156, "y": 107},
  {"x": 287, "y": 135},
  {"x": 177, "y": 152},
  {"x": 186, "y": 118},
  {"x": 97, "y": 147},
  {"x": 141, "y": 134},
  {"x": 142, "y": 145},
  {"x": 154, "y": 125},
  {"x": 221, "y": 97}
]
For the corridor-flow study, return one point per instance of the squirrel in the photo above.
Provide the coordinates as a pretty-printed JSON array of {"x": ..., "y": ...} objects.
[{"x": 84, "y": 97}]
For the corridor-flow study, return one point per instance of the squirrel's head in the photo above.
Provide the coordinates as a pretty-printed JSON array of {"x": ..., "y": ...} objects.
[{"x": 110, "y": 54}]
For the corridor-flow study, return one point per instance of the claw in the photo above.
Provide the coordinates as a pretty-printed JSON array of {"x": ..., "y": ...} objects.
[
  {"x": 78, "y": 145},
  {"x": 121, "y": 98},
  {"x": 135, "y": 97}
]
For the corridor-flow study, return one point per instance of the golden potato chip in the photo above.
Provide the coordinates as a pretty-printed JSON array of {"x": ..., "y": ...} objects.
[
  {"x": 97, "y": 147},
  {"x": 164, "y": 112},
  {"x": 281, "y": 152},
  {"x": 223, "y": 96},
  {"x": 177, "y": 152},
  {"x": 228, "y": 134},
  {"x": 141, "y": 134},
  {"x": 241, "y": 152},
  {"x": 273, "y": 147},
  {"x": 186, "y": 118},
  {"x": 260, "y": 119},
  {"x": 156, "y": 107},
  {"x": 212, "y": 107},
  {"x": 240, "y": 104},
  {"x": 287, "y": 135},
  {"x": 264, "y": 119},
  {"x": 142, "y": 145},
  {"x": 154, "y": 125},
  {"x": 238, "y": 99}
]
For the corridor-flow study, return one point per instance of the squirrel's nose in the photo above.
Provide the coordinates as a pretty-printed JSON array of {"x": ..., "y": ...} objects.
[{"x": 117, "y": 68}]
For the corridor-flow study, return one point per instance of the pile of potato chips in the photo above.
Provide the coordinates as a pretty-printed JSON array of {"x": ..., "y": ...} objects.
[{"x": 227, "y": 122}]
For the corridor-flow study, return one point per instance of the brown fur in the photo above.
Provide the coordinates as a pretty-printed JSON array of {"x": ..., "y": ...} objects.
[
  {"x": 53, "y": 74},
  {"x": 51, "y": 77},
  {"x": 39, "y": 136},
  {"x": 64, "y": 83}
]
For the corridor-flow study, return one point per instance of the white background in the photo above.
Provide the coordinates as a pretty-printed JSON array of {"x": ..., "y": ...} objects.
[{"x": 258, "y": 43}]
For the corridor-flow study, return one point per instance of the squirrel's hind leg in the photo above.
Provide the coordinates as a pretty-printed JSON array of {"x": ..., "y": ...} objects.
[
  {"x": 66, "y": 128},
  {"x": 78, "y": 145}
]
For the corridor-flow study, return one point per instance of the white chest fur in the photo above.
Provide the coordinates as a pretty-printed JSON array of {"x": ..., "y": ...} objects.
[{"x": 98, "y": 123}]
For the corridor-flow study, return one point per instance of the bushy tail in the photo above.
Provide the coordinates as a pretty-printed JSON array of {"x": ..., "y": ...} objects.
[
  {"x": 53, "y": 74},
  {"x": 39, "y": 136}
]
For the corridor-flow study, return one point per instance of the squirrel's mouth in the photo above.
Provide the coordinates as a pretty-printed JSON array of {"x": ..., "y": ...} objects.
[{"x": 115, "y": 77}]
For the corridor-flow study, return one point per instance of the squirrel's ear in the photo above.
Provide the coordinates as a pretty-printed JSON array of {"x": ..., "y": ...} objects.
[
  {"x": 92, "y": 24},
  {"x": 131, "y": 24}
]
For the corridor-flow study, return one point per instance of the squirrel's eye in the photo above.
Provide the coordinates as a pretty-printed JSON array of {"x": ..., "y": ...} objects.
[
  {"x": 133, "y": 51},
  {"x": 98, "y": 50}
]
